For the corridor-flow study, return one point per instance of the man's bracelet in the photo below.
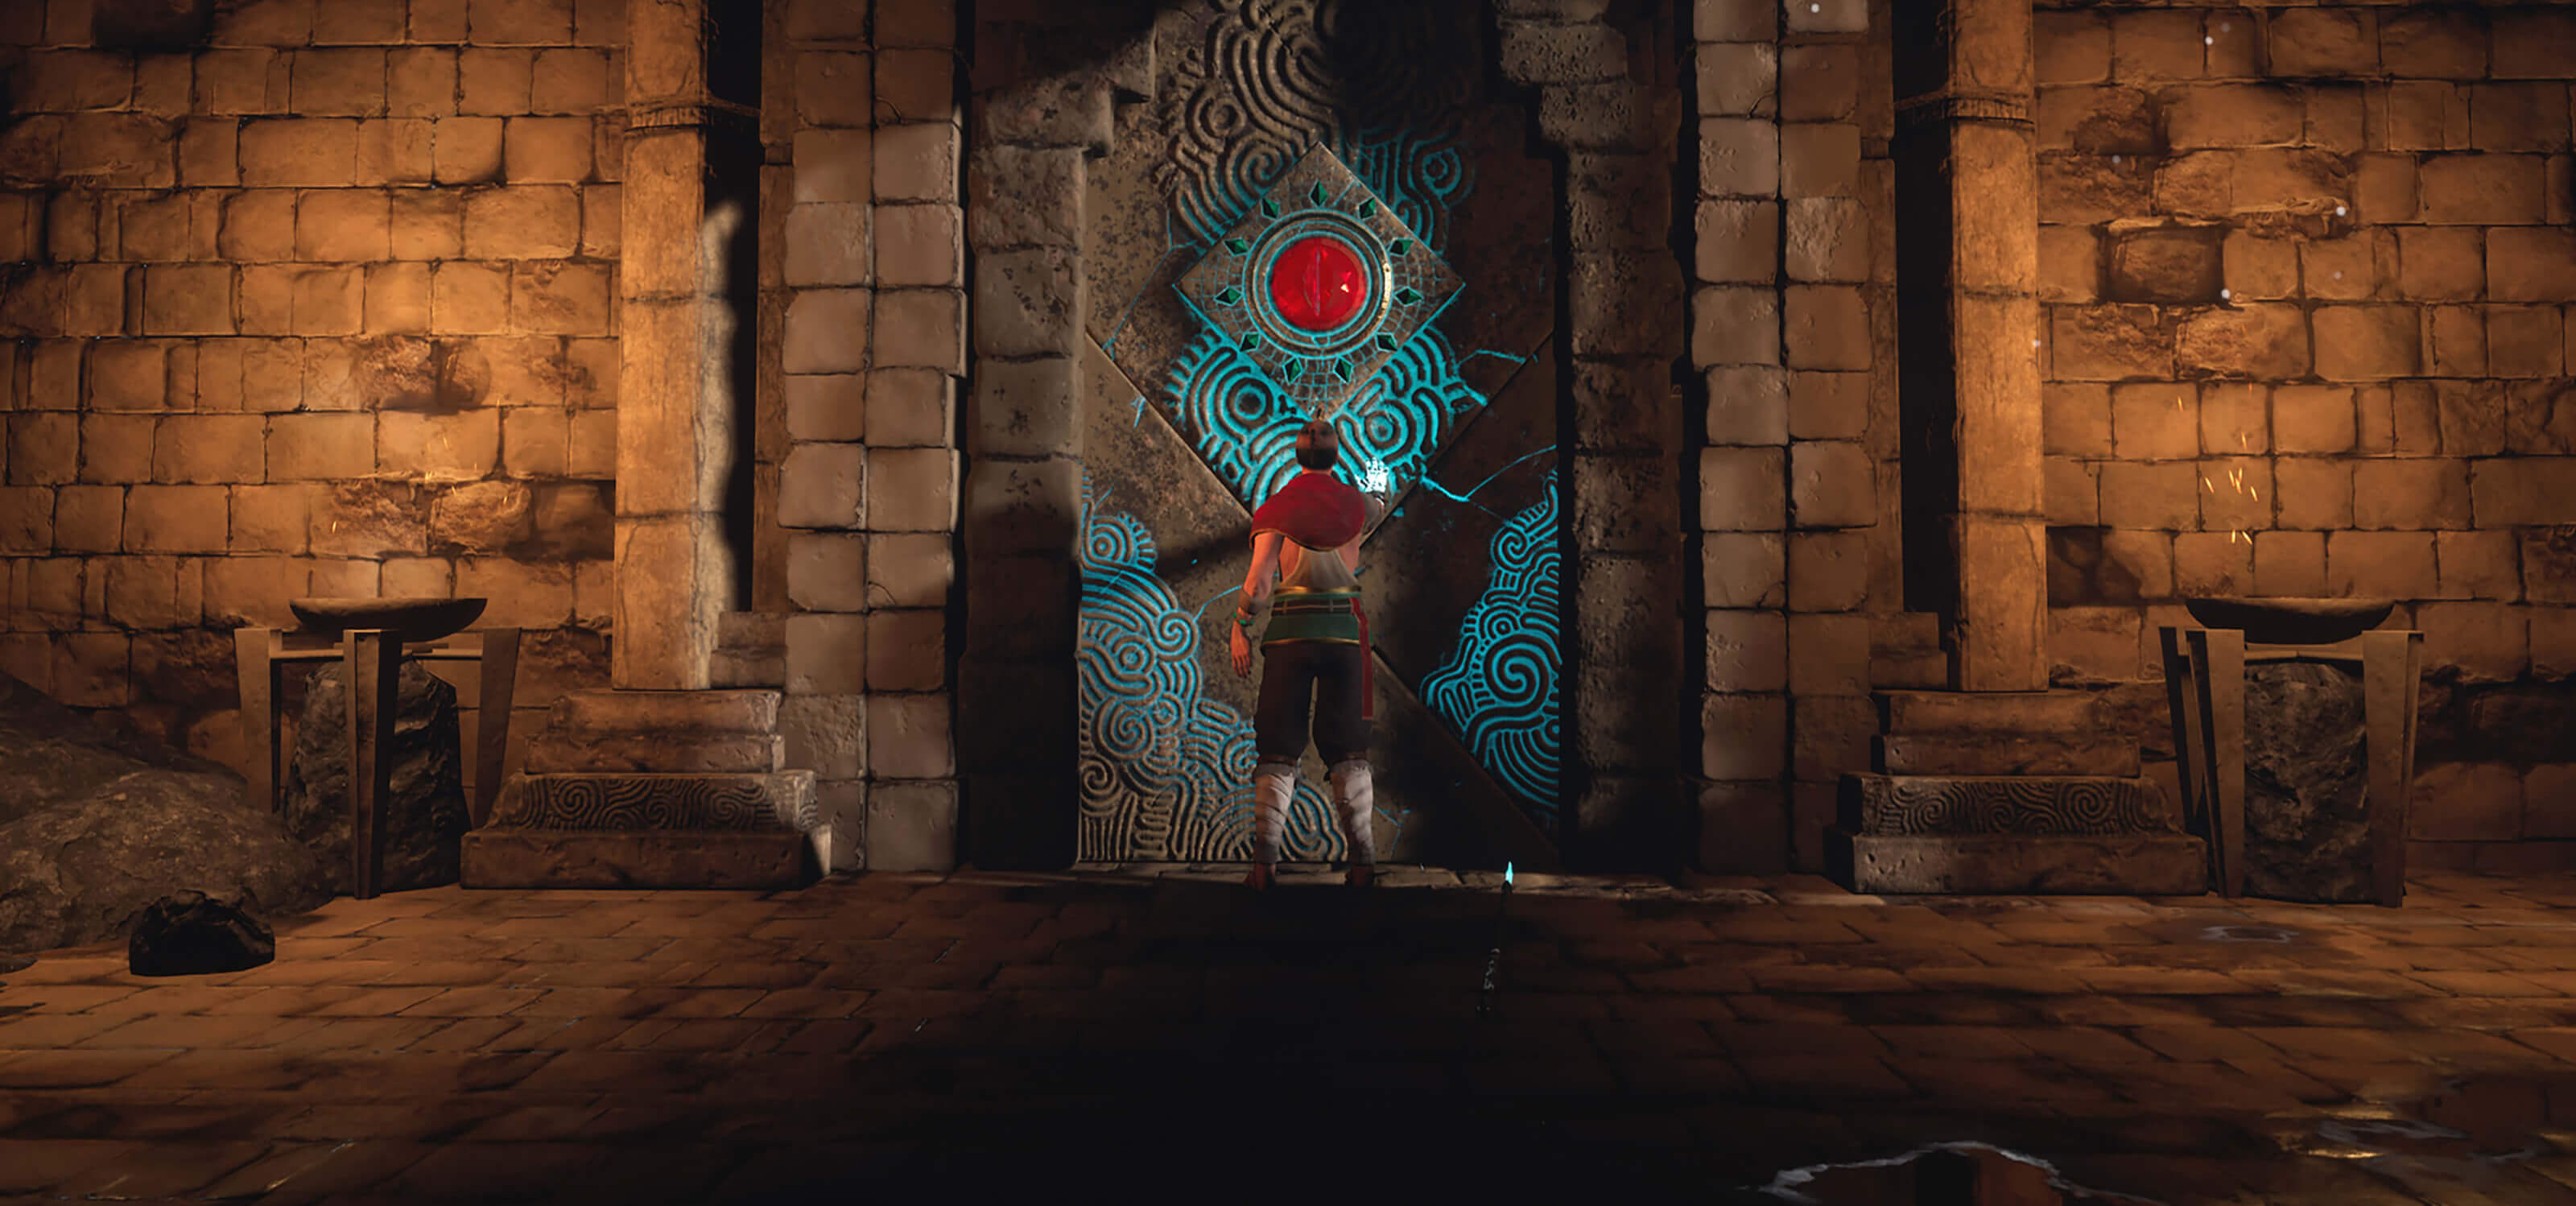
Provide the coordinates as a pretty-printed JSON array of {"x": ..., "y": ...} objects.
[{"x": 1242, "y": 620}]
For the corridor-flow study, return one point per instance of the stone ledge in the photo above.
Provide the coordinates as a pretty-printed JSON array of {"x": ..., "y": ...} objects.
[
  {"x": 2090, "y": 755},
  {"x": 554, "y": 750},
  {"x": 2020, "y": 713},
  {"x": 671, "y": 858},
  {"x": 2017, "y": 864},
  {"x": 778, "y": 801},
  {"x": 2001, "y": 805},
  {"x": 651, "y": 711}
]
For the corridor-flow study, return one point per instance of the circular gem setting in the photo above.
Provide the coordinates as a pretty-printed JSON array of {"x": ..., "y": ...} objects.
[{"x": 1318, "y": 284}]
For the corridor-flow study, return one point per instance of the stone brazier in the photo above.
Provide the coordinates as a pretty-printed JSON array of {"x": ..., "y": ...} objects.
[{"x": 424, "y": 815}]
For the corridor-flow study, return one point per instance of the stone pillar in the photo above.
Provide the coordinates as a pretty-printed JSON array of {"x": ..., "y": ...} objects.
[
  {"x": 1969, "y": 242},
  {"x": 1608, "y": 101},
  {"x": 675, "y": 409},
  {"x": 663, "y": 782}
]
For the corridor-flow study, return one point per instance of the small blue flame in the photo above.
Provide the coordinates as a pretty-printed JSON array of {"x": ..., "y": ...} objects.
[{"x": 1507, "y": 874}]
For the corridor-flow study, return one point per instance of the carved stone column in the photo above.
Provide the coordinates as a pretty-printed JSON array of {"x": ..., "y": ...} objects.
[
  {"x": 662, "y": 782},
  {"x": 1968, "y": 247}
]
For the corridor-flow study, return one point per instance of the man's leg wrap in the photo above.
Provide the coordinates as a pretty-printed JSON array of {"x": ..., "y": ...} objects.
[
  {"x": 1274, "y": 784},
  {"x": 1355, "y": 797}
]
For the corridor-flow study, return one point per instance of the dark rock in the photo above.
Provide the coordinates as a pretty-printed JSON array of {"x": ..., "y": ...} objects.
[
  {"x": 188, "y": 934},
  {"x": 425, "y": 814},
  {"x": 97, "y": 821},
  {"x": 2307, "y": 777},
  {"x": 15, "y": 963}
]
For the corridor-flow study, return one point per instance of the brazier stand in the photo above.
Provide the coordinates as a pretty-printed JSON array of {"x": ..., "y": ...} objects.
[
  {"x": 372, "y": 658},
  {"x": 2205, "y": 690}
]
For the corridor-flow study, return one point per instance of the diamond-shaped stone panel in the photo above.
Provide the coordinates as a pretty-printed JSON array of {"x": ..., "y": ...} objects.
[{"x": 1319, "y": 196}]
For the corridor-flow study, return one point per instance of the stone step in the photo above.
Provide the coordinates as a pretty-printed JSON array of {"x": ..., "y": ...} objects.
[
  {"x": 603, "y": 713},
  {"x": 2138, "y": 864},
  {"x": 751, "y": 650},
  {"x": 2028, "y": 714},
  {"x": 2087, "y": 754},
  {"x": 556, "y": 750},
  {"x": 2046, "y": 805},
  {"x": 781, "y": 801},
  {"x": 507, "y": 857}
]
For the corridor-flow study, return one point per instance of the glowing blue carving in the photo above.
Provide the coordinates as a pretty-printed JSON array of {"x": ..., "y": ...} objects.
[
  {"x": 1222, "y": 403},
  {"x": 1165, "y": 771},
  {"x": 1420, "y": 177},
  {"x": 1498, "y": 687}
]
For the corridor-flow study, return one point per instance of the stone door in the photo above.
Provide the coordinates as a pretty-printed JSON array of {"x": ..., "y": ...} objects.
[{"x": 1355, "y": 143}]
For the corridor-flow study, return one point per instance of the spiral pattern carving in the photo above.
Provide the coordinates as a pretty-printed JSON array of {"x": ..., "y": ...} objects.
[
  {"x": 629, "y": 802},
  {"x": 2065, "y": 807},
  {"x": 1402, "y": 416},
  {"x": 1266, "y": 79},
  {"x": 1498, "y": 687},
  {"x": 1165, "y": 772}
]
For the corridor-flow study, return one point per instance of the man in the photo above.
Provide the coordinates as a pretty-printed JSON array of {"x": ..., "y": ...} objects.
[{"x": 1308, "y": 536}]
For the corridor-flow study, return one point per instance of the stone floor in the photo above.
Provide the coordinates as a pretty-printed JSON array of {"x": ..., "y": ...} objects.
[{"x": 1155, "y": 1033}]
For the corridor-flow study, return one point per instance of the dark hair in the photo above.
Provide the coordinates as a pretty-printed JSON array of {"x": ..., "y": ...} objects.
[{"x": 1318, "y": 446}]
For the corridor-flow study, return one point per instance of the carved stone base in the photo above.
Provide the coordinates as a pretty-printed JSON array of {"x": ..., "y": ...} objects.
[
  {"x": 2034, "y": 806},
  {"x": 2143, "y": 864},
  {"x": 666, "y": 858},
  {"x": 672, "y": 789}
]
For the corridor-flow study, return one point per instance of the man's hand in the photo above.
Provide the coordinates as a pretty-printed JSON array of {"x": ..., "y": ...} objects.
[{"x": 1242, "y": 650}]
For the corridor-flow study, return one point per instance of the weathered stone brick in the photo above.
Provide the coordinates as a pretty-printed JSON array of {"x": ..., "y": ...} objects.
[
  {"x": 2482, "y": 188},
  {"x": 2213, "y": 563},
  {"x": 1748, "y": 404},
  {"x": 2425, "y": 116},
  {"x": 2380, "y": 564},
  {"x": 907, "y": 650},
  {"x": 835, "y": 165},
  {"x": 298, "y": 152},
  {"x": 343, "y": 224},
  {"x": 2158, "y": 263},
  {"x": 919, "y": 245},
  {"x": 921, "y": 328},
  {"x": 535, "y": 441},
  {"x": 2075, "y": 419},
  {"x": 2457, "y": 336},
  {"x": 2290, "y": 563},
  {"x": 1743, "y": 489},
  {"x": 2257, "y": 340},
  {"x": 827, "y": 571},
  {"x": 1739, "y": 157},
  {"x": 425, "y": 224},
  {"x": 2108, "y": 343},
  {"x": 1735, "y": 326},
  {"x": 465, "y": 150},
  {"x": 1028, "y": 302},
  {"x": 175, "y": 519},
  {"x": 910, "y": 569},
  {"x": 2164, "y": 495},
  {"x": 1743, "y": 569},
  {"x": 1738, "y": 242},
  {"x": 87, "y": 519},
  {"x": 823, "y": 486},
  {"x": 2530, "y": 264},
  {"x": 1829, "y": 406},
  {"x": 2434, "y": 43},
  {"x": 1746, "y": 651},
  {"x": 1819, "y": 82},
  {"x": 2313, "y": 419},
  {"x": 2312, "y": 493},
  {"x": 547, "y": 150},
  {"x": 243, "y": 80},
  {"x": 1737, "y": 79},
  {"x": 339, "y": 83},
  {"x": 833, "y": 88},
  {"x": 2154, "y": 422},
  {"x": 825, "y": 407},
  {"x": 1826, "y": 327},
  {"x": 129, "y": 375},
  {"x": 827, "y": 331},
  {"x": 358, "y": 22},
  {"x": 827, "y": 244},
  {"x": 559, "y": 298},
  {"x": 1744, "y": 737},
  {"x": 2325, "y": 42},
  {"x": 912, "y": 826},
  {"x": 1534, "y": 53},
  {"x": 2440, "y": 263},
  {"x": 1828, "y": 571},
  {"x": 915, "y": 85},
  {"x": 913, "y": 408},
  {"x": 2071, "y": 492},
  {"x": 2525, "y": 341},
  {"x": 321, "y": 447},
  {"x": 593, "y": 448},
  {"x": 1829, "y": 240},
  {"x": 1819, "y": 160},
  {"x": 2155, "y": 45},
  {"x": 2534, "y": 43},
  {"x": 470, "y": 299},
  {"x": 1828, "y": 16},
  {"x": 2521, "y": 491},
  {"x": 2478, "y": 565},
  {"x": 439, "y": 447},
  {"x": 397, "y": 298},
  {"x": 206, "y": 449},
  {"x": 533, "y": 222},
  {"x": 2410, "y": 494},
  {"x": 916, "y": 161},
  {"x": 1022, "y": 196},
  {"x": 115, "y": 449},
  {"x": 2525, "y": 116},
  {"x": 573, "y": 81},
  {"x": 2363, "y": 343}
]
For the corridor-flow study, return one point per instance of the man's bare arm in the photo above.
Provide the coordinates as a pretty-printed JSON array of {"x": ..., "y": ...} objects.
[{"x": 1265, "y": 566}]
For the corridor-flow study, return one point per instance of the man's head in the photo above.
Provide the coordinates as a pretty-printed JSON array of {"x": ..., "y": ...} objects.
[{"x": 1318, "y": 446}]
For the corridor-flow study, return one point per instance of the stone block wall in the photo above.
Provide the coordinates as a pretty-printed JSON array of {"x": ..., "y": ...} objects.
[
  {"x": 318, "y": 305},
  {"x": 864, "y": 289},
  {"x": 2308, "y": 274},
  {"x": 1793, "y": 334}
]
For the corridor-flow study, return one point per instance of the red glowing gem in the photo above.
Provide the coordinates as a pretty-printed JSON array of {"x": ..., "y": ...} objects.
[{"x": 1317, "y": 283}]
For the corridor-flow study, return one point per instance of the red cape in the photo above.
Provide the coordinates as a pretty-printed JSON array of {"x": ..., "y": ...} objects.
[
  {"x": 1317, "y": 510},
  {"x": 1321, "y": 511}
]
